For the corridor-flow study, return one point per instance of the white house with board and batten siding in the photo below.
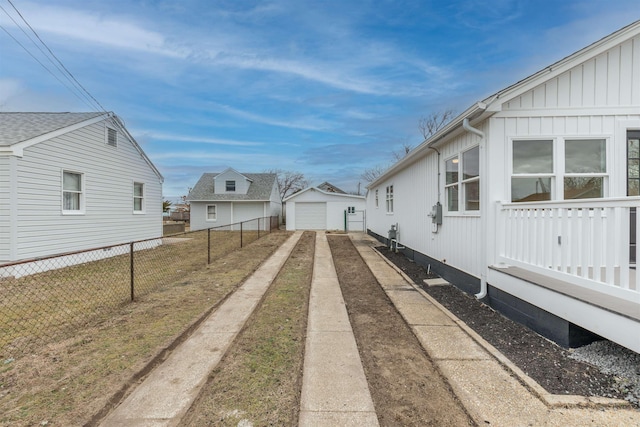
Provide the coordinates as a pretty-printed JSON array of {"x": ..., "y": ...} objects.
[
  {"x": 528, "y": 198},
  {"x": 71, "y": 182},
  {"x": 230, "y": 197}
]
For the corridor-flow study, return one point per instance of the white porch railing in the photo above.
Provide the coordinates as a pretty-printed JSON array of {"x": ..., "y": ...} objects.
[{"x": 585, "y": 242}]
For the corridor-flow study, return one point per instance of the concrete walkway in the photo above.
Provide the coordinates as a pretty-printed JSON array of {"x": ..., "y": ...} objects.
[
  {"x": 166, "y": 394},
  {"x": 334, "y": 388},
  {"x": 493, "y": 390}
]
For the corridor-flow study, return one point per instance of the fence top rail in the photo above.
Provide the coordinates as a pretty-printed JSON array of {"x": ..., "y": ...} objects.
[
  {"x": 574, "y": 204},
  {"x": 100, "y": 248}
]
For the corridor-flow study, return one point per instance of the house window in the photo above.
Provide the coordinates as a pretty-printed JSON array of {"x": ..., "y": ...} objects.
[
  {"x": 390, "y": 199},
  {"x": 230, "y": 185},
  {"x": 585, "y": 163},
  {"x": 211, "y": 212},
  {"x": 451, "y": 183},
  {"x": 72, "y": 195},
  {"x": 112, "y": 137},
  {"x": 562, "y": 169},
  {"x": 471, "y": 179},
  {"x": 377, "y": 203},
  {"x": 463, "y": 187},
  {"x": 138, "y": 197}
]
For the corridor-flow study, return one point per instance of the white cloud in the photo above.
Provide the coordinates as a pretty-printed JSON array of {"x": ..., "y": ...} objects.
[
  {"x": 90, "y": 27},
  {"x": 195, "y": 139},
  {"x": 309, "y": 123}
]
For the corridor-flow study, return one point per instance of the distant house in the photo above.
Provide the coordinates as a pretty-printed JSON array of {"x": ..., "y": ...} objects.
[
  {"x": 325, "y": 207},
  {"x": 73, "y": 181},
  {"x": 529, "y": 197},
  {"x": 231, "y": 197}
]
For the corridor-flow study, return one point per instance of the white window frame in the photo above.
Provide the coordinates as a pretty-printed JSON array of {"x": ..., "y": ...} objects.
[
  {"x": 215, "y": 213},
  {"x": 142, "y": 209},
  {"x": 226, "y": 185},
  {"x": 558, "y": 173},
  {"x": 461, "y": 184},
  {"x": 81, "y": 193},
  {"x": 107, "y": 131},
  {"x": 389, "y": 199}
]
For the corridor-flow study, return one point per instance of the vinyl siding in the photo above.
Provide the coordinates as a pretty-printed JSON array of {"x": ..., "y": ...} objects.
[
  {"x": 5, "y": 206},
  {"x": 108, "y": 173},
  {"x": 242, "y": 184},
  {"x": 611, "y": 79}
]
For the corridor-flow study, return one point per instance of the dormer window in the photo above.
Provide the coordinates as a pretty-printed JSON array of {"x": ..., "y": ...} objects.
[{"x": 230, "y": 186}]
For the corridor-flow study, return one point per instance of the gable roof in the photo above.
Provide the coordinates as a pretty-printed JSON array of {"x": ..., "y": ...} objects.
[
  {"x": 259, "y": 190},
  {"x": 330, "y": 188},
  {"x": 327, "y": 193},
  {"x": 487, "y": 107},
  {"x": 234, "y": 171},
  {"x": 19, "y": 130},
  {"x": 19, "y": 127}
]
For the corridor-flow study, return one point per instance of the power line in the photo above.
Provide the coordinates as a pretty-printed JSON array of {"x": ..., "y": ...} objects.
[{"x": 65, "y": 71}]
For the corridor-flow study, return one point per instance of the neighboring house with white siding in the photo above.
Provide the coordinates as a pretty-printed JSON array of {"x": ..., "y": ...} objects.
[
  {"x": 231, "y": 197},
  {"x": 73, "y": 181},
  {"x": 325, "y": 207},
  {"x": 529, "y": 197}
]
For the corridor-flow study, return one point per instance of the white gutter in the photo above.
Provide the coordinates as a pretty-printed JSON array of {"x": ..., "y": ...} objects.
[{"x": 483, "y": 217}]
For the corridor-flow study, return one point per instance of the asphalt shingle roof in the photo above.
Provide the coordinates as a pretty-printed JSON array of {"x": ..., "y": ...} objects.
[
  {"x": 18, "y": 127},
  {"x": 259, "y": 189}
]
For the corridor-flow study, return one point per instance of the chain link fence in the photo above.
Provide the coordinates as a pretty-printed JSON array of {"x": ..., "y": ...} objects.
[{"x": 42, "y": 299}]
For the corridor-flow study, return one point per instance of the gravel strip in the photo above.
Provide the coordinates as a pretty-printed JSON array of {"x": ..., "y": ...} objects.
[{"x": 615, "y": 360}]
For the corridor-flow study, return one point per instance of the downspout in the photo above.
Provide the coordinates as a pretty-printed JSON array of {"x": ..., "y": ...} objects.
[{"x": 483, "y": 218}]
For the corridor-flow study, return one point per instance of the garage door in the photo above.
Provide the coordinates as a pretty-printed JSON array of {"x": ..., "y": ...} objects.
[{"x": 311, "y": 216}]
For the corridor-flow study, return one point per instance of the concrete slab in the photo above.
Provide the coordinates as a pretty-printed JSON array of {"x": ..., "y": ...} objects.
[
  {"x": 406, "y": 296},
  {"x": 436, "y": 282},
  {"x": 334, "y": 386},
  {"x": 342, "y": 419},
  {"x": 492, "y": 395},
  {"x": 449, "y": 342},
  {"x": 425, "y": 314},
  {"x": 333, "y": 375},
  {"x": 170, "y": 389}
]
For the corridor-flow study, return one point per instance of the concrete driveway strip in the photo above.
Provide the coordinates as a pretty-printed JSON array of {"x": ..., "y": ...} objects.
[
  {"x": 166, "y": 394},
  {"x": 334, "y": 387},
  {"x": 491, "y": 394}
]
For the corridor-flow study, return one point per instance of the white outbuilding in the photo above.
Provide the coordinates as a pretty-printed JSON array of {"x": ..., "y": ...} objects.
[{"x": 325, "y": 208}]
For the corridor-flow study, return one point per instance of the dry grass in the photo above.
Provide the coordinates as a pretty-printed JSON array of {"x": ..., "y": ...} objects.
[
  {"x": 67, "y": 381},
  {"x": 258, "y": 382},
  {"x": 42, "y": 307}
]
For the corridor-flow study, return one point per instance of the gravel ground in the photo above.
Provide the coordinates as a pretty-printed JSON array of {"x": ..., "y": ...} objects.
[
  {"x": 615, "y": 360},
  {"x": 602, "y": 368}
]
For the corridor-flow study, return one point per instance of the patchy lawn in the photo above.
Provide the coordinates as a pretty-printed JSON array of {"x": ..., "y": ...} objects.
[{"x": 71, "y": 379}]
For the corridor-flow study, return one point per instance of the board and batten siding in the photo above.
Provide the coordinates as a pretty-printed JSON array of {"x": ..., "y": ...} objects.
[
  {"x": 458, "y": 240},
  {"x": 108, "y": 174},
  {"x": 611, "y": 79}
]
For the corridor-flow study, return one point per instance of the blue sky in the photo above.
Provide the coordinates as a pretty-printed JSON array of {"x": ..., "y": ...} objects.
[{"x": 326, "y": 88}]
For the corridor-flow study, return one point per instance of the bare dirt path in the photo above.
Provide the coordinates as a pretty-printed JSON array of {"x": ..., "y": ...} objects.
[{"x": 405, "y": 386}]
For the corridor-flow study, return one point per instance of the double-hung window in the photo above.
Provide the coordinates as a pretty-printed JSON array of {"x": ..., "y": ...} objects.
[
  {"x": 230, "y": 186},
  {"x": 138, "y": 197},
  {"x": 211, "y": 212},
  {"x": 72, "y": 194},
  {"x": 463, "y": 189},
  {"x": 556, "y": 169},
  {"x": 389, "y": 199}
]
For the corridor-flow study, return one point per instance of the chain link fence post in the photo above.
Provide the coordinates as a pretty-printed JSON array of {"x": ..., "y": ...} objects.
[
  {"x": 240, "y": 234},
  {"x": 131, "y": 269},
  {"x": 208, "y": 246}
]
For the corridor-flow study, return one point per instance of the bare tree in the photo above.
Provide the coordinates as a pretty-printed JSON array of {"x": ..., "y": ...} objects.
[
  {"x": 372, "y": 173},
  {"x": 433, "y": 122},
  {"x": 289, "y": 182},
  {"x": 406, "y": 147}
]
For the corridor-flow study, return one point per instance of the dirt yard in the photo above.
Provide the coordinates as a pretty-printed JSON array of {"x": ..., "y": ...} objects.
[{"x": 405, "y": 386}]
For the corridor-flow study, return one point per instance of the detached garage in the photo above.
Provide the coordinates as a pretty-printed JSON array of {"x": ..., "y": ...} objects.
[{"x": 317, "y": 209}]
